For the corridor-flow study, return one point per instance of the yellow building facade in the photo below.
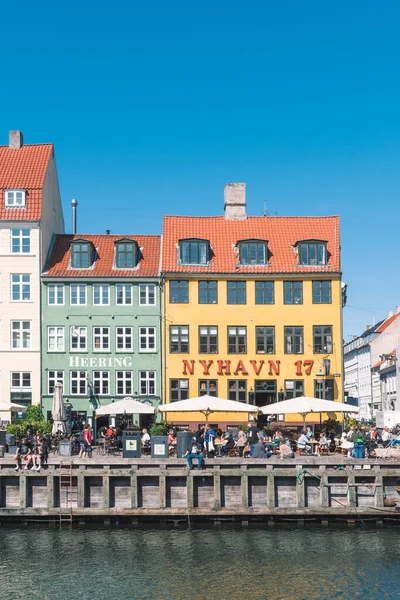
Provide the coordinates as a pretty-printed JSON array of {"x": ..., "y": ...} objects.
[{"x": 247, "y": 319}]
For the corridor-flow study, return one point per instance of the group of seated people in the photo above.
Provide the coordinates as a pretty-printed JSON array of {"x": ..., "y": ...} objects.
[
  {"x": 33, "y": 450},
  {"x": 112, "y": 437}
]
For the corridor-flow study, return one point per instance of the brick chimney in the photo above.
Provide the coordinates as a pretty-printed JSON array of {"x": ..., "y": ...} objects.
[
  {"x": 16, "y": 140},
  {"x": 235, "y": 201}
]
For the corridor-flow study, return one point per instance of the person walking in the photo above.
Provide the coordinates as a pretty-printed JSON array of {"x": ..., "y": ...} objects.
[
  {"x": 241, "y": 441},
  {"x": 359, "y": 443},
  {"x": 87, "y": 441},
  {"x": 253, "y": 436}
]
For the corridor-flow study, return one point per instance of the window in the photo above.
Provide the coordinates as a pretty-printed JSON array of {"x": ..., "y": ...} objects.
[
  {"x": 265, "y": 292},
  {"x": 178, "y": 389},
  {"x": 54, "y": 377},
  {"x": 15, "y": 198},
  {"x": 147, "y": 294},
  {"x": 81, "y": 255},
  {"x": 237, "y": 340},
  {"x": 21, "y": 388},
  {"x": 55, "y": 339},
  {"x": 147, "y": 383},
  {"x": 294, "y": 388},
  {"x": 293, "y": 340},
  {"x": 20, "y": 288},
  {"x": 101, "y": 339},
  {"x": 147, "y": 339},
  {"x": 78, "y": 336},
  {"x": 323, "y": 388},
  {"x": 208, "y": 339},
  {"x": 208, "y": 386},
  {"x": 236, "y": 292},
  {"x": 194, "y": 252},
  {"x": 312, "y": 253},
  {"x": 264, "y": 391},
  {"x": 101, "y": 294},
  {"x": 124, "y": 383},
  {"x": 208, "y": 292},
  {"x": 55, "y": 293},
  {"x": 322, "y": 335},
  {"x": 179, "y": 292},
  {"x": 321, "y": 292},
  {"x": 293, "y": 292},
  {"x": 237, "y": 390},
  {"x": 20, "y": 241},
  {"x": 124, "y": 293},
  {"x": 124, "y": 339},
  {"x": 253, "y": 253},
  {"x": 265, "y": 340},
  {"x": 21, "y": 334},
  {"x": 78, "y": 383},
  {"x": 125, "y": 255},
  {"x": 101, "y": 382},
  {"x": 179, "y": 339},
  {"x": 77, "y": 293}
]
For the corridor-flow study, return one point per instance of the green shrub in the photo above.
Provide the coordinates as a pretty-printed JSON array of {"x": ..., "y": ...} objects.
[{"x": 160, "y": 428}]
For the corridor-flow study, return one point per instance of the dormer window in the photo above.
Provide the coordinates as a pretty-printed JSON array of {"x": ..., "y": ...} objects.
[
  {"x": 15, "y": 198},
  {"x": 253, "y": 252},
  {"x": 312, "y": 252},
  {"x": 126, "y": 254},
  {"x": 81, "y": 254},
  {"x": 194, "y": 252}
]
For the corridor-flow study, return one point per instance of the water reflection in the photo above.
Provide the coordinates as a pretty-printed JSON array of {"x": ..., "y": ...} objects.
[{"x": 128, "y": 564}]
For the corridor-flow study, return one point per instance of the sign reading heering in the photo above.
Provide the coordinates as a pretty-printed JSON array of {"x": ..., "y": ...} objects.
[{"x": 100, "y": 362}]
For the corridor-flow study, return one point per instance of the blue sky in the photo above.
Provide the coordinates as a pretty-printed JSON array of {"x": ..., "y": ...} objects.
[{"x": 154, "y": 106}]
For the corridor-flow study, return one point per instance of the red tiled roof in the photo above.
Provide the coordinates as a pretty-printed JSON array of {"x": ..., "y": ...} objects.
[
  {"x": 281, "y": 232},
  {"x": 378, "y": 364},
  {"x": 24, "y": 168},
  {"x": 59, "y": 260},
  {"x": 387, "y": 323}
]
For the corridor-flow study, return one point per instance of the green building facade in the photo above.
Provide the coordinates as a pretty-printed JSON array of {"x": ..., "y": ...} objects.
[{"x": 101, "y": 334}]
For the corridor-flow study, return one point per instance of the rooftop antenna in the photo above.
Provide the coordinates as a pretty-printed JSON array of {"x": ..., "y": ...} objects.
[{"x": 265, "y": 213}]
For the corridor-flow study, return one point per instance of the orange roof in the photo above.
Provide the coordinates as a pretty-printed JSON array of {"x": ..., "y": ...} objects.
[
  {"x": 58, "y": 263},
  {"x": 24, "y": 168},
  {"x": 282, "y": 234},
  {"x": 387, "y": 323}
]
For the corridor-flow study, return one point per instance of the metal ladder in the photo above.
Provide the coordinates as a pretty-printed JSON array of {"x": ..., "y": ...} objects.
[{"x": 65, "y": 492}]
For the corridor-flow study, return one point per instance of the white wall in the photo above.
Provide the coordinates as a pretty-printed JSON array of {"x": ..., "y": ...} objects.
[{"x": 52, "y": 216}]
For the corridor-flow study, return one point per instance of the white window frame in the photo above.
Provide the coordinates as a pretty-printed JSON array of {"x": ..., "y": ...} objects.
[
  {"x": 124, "y": 287},
  {"x": 19, "y": 285},
  {"x": 127, "y": 377},
  {"x": 103, "y": 335},
  {"x": 54, "y": 377},
  {"x": 58, "y": 335},
  {"x": 78, "y": 331},
  {"x": 102, "y": 288},
  {"x": 57, "y": 288},
  {"x": 81, "y": 376},
  {"x": 144, "y": 334},
  {"x": 20, "y": 338},
  {"x": 10, "y": 198},
  {"x": 21, "y": 388},
  {"x": 147, "y": 378},
  {"x": 127, "y": 332},
  {"x": 102, "y": 378},
  {"x": 20, "y": 237},
  {"x": 79, "y": 287},
  {"x": 146, "y": 287}
]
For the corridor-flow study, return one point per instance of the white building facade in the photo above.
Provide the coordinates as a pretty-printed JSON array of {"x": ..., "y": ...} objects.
[{"x": 30, "y": 212}]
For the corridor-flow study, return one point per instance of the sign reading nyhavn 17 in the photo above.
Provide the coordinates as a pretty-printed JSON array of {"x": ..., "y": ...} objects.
[
  {"x": 99, "y": 362},
  {"x": 240, "y": 367}
]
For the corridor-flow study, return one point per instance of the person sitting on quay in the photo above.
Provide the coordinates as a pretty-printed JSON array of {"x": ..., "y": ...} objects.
[
  {"x": 195, "y": 451},
  {"x": 285, "y": 450},
  {"x": 228, "y": 445},
  {"x": 302, "y": 443},
  {"x": 24, "y": 452},
  {"x": 39, "y": 451},
  {"x": 260, "y": 450}
]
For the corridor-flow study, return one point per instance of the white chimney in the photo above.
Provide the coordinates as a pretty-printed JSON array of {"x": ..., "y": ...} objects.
[
  {"x": 397, "y": 309},
  {"x": 15, "y": 140},
  {"x": 390, "y": 314},
  {"x": 235, "y": 201}
]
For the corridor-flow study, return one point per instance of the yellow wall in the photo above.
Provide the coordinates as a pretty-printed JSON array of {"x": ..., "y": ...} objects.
[{"x": 252, "y": 315}]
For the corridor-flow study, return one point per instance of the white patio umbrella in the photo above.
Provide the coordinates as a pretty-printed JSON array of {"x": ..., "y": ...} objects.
[
  {"x": 11, "y": 406},
  {"x": 304, "y": 406},
  {"x": 208, "y": 404},
  {"x": 125, "y": 406},
  {"x": 57, "y": 411}
]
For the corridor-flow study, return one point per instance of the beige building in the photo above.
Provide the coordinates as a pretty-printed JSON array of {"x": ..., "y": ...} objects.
[{"x": 30, "y": 213}]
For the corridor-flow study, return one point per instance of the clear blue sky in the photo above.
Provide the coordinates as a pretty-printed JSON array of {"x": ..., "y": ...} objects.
[{"x": 153, "y": 106}]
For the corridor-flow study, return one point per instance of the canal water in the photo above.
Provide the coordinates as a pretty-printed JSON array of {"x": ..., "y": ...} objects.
[{"x": 279, "y": 563}]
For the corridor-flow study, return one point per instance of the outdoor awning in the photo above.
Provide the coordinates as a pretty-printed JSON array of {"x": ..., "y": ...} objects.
[{"x": 125, "y": 406}]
